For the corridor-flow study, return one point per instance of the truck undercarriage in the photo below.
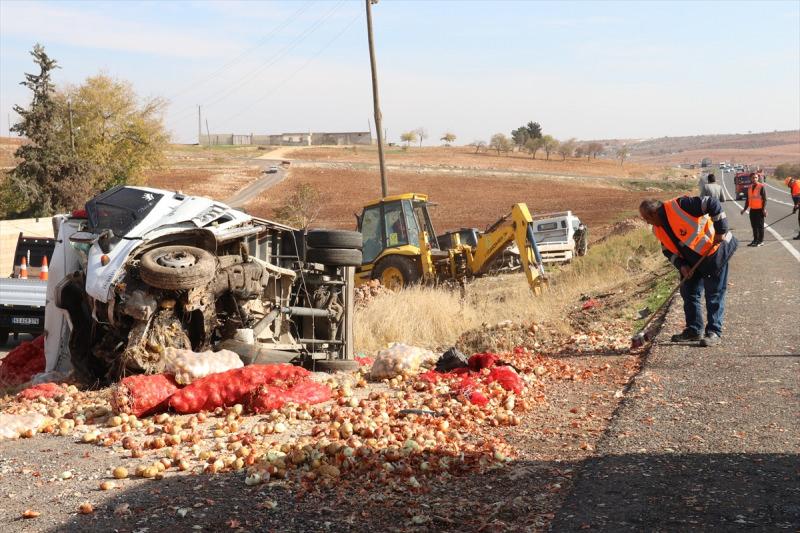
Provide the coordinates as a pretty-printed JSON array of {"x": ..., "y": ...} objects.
[{"x": 230, "y": 281}]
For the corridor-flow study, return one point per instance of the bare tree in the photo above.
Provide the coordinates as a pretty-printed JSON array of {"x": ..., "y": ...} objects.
[
  {"x": 422, "y": 134},
  {"x": 566, "y": 149},
  {"x": 408, "y": 137},
  {"x": 478, "y": 145},
  {"x": 301, "y": 207},
  {"x": 595, "y": 148},
  {"x": 448, "y": 138},
  {"x": 501, "y": 143},
  {"x": 549, "y": 145},
  {"x": 622, "y": 153},
  {"x": 534, "y": 145}
]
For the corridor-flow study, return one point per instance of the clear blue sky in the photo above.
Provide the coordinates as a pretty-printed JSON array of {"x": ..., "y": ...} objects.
[{"x": 581, "y": 69}]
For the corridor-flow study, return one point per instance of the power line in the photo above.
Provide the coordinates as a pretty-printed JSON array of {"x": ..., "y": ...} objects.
[
  {"x": 261, "y": 42},
  {"x": 254, "y": 74},
  {"x": 297, "y": 71}
]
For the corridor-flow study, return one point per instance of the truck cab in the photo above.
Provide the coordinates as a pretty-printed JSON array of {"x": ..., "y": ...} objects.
[
  {"x": 395, "y": 232},
  {"x": 561, "y": 236},
  {"x": 742, "y": 181}
]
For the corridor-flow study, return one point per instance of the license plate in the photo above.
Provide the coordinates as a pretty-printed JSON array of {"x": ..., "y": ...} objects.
[{"x": 24, "y": 320}]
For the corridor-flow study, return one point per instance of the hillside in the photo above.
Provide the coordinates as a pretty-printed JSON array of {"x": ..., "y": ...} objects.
[{"x": 765, "y": 149}]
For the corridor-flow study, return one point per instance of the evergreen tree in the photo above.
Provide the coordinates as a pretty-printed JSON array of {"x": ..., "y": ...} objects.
[{"x": 47, "y": 178}]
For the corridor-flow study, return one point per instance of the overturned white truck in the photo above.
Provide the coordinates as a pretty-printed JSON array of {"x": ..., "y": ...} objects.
[{"x": 142, "y": 269}]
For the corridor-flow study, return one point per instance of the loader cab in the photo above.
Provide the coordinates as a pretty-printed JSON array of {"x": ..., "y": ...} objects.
[{"x": 394, "y": 226}]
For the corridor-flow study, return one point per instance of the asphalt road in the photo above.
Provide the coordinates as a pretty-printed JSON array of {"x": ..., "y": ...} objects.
[
  {"x": 260, "y": 185},
  {"x": 779, "y": 205},
  {"x": 708, "y": 439}
]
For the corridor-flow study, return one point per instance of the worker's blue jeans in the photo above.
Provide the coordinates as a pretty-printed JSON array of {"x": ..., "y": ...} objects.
[{"x": 692, "y": 293}]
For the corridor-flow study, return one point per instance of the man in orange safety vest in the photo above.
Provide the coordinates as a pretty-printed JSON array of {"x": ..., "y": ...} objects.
[
  {"x": 794, "y": 190},
  {"x": 756, "y": 201},
  {"x": 691, "y": 230}
]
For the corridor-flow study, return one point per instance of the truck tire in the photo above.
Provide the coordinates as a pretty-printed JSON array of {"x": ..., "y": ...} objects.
[
  {"x": 334, "y": 256},
  {"x": 4, "y": 332},
  {"x": 334, "y": 365},
  {"x": 396, "y": 271},
  {"x": 177, "y": 267},
  {"x": 334, "y": 239}
]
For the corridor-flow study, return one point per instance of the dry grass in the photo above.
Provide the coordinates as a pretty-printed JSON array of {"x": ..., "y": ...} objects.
[{"x": 436, "y": 317}]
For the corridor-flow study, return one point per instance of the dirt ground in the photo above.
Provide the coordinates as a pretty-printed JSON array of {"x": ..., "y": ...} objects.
[
  {"x": 473, "y": 201},
  {"x": 465, "y": 157},
  {"x": 574, "y": 386}
]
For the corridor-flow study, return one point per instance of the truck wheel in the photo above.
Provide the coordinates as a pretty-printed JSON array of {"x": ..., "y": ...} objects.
[
  {"x": 4, "y": 336},
  {"x": 395, "y": 272},
  {"x": 334, "y": 365},
  {"x": 334, "y": 239},
  {"x": 177, "y": 267},
  {"x": 334, "y": 256},
  {"x": 582, "y": 246}
]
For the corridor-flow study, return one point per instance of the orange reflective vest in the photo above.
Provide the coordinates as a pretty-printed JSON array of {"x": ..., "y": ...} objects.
[
  {"x": 794, "y": 185},
  {"x": 754, "y": 199},
  {"x": 695, "y": 233}
]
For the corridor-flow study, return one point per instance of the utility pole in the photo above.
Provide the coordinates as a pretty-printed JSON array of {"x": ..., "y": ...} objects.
[
  {"x": 71, "y": 132},
  {"x": 375, "y": 99},
  {"x": 199, "y": 127},
  {"x": 208, "y": 133}
]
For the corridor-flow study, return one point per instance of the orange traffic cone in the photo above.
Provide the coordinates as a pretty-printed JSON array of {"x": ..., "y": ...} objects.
[
  {"x": 23, "y": 268},
  {"x": 43, "y": 270}
]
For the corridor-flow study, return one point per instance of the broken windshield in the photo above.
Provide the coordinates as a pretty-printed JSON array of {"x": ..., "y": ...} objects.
[{"x": 120, "y": 209}]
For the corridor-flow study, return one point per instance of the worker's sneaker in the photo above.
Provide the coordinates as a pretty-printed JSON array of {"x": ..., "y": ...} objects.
[
  {"x": 686, "y": 335},
  {"x": 797, "y": 238},
  {"x": 711, "y": 339},
  {"x": 760, "y": 244},
  {"x": 754, "y": 243}
]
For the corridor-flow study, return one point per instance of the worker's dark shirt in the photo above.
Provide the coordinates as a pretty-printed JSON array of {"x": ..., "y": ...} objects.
[
  {"x": 763, "y": 196},
  {"x": 698, "y": 206}
]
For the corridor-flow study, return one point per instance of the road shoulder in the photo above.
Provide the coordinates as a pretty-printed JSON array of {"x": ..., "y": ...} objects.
[{"x": 707, "y": 438}]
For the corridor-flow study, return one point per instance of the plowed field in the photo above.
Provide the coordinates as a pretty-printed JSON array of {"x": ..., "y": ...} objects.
[{"x": 462, "y": 201}]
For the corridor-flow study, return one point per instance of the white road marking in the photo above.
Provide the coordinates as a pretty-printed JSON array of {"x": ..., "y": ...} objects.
[
  {"x": 776, "y": 188},
  {"x": 792, "y": 250}
]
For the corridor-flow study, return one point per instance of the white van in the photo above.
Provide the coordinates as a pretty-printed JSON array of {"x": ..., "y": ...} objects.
[{"x": 560, "y": 236}]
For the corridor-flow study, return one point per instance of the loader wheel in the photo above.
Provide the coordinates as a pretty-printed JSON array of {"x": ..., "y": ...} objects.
[
  {"x": 334, "y": 239},
  {"x": 396, "y": 272},
  {"x": 177, "y": 267},
  {"x": 334, "y": 256}
]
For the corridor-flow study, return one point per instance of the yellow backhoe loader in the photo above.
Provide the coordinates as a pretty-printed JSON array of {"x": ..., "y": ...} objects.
[{"x": 400, "y": 246}]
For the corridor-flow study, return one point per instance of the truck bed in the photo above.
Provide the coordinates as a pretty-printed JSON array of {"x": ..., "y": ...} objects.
[{"x": 23, "y": 292}]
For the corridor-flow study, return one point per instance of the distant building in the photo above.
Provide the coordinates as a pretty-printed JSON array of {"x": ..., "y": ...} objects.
[{"x": 289, "y": 139}]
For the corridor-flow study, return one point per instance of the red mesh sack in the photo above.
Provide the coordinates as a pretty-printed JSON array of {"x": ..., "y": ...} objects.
[
  {"x": 308, "y": 392},
  {"x": 233, "y": 386},
  {"x": 472, "y": 390},
  {"x": 143, "y": 395},
  {"x": 269, "y": 397},
  {"x": 23, "y": 362},
  {"x": 482, "y": 360},
  {"x": 506, "y": 377},
  {"x": 266, "y": 398},
  {"x": 43, "y": 390}
]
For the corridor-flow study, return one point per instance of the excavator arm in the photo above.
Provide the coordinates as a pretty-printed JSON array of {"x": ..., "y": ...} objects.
[{"x": 515, "y": 227}]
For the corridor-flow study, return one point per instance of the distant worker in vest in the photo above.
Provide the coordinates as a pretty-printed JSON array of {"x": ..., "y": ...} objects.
[
  {"x": 756, "y": 202},
  {"x": 794, "y": 190},
  {"x": 692, "y": 230},
  {"x": 714, "y": 189}
]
